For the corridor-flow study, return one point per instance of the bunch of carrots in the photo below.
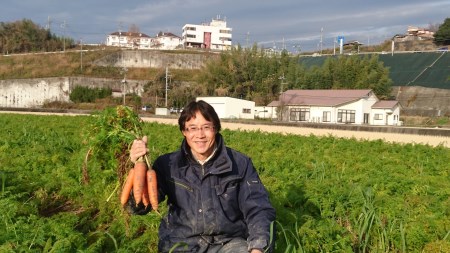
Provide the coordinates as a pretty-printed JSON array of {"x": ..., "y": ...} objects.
[
  {"x": 142, "y": 180},
  {"x": 113, "y": 131}
]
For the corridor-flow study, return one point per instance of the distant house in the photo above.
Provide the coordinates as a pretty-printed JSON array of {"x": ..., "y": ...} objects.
[
  {"x": 386, "y": 113},
  {"x": 414, "y": 33},
  {"x": 336, "y": 106},
  {"x": 166, "y": 41},
  {"x": 231, "y": 108},
  {"x": 129, "y": 40}
]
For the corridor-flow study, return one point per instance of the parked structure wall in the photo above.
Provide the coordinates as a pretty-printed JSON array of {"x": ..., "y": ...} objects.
[{"x": 231, "y": 108}]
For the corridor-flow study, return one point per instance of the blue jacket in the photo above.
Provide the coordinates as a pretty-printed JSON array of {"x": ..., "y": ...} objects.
[{"x": 213, "y": 203}]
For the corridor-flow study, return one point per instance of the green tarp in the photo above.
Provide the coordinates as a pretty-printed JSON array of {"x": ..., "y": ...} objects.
[{"x": 426, "y": 69}]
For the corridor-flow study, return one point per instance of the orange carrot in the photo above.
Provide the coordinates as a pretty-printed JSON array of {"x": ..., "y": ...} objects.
[
  {"x": 139, "y": 180},
  {"x": 152, "y": 185},
  {"x": 145, "y": 197},
  {"x": 127, "y": 187}
]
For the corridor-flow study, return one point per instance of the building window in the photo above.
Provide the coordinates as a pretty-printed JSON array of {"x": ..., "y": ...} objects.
[
  {"x": 190, "y": 28},
  {"x": 346, "y": 116},
  {"x": 378, "y": 116},
  {"x": 244, "y": 110},
  {"x": 299, "y": 114},
  {"x": 224, "y": 39},
  {"x": 225, "y": 31},
  {"x": 326, "y": 117},
  {"x": 191, "y": 36}
]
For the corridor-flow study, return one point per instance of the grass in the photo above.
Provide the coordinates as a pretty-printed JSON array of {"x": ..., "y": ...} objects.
[{"x": 71, "y": 63}]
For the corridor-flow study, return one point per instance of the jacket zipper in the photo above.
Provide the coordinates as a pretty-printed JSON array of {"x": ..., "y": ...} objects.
[{"x": 182, "y": 185}]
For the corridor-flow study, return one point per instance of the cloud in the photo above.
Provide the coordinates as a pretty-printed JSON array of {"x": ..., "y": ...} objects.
[{"x": 266, "y": 22}]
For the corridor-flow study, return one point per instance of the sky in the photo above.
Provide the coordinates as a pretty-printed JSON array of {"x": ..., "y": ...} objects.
[{"x": 295, "y": 25}]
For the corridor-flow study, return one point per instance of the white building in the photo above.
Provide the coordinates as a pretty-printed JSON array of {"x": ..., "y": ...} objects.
[
  {"x": 166, "y": 41},
  {"x": 214, "y": 35},
  {"x": 337, "y": 106},
  {"x": 386, "y": 113},
  {"x": 129, "y": 40},
  {"x": 266, "y": 112},
  {"x": 231, "y": 108}
]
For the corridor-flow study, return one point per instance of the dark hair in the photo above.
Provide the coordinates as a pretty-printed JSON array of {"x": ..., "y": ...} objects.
[{"x": 204, "y": 108}]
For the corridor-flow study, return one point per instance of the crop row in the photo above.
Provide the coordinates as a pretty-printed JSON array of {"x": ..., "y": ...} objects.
[{"x": 331, "y": 194}]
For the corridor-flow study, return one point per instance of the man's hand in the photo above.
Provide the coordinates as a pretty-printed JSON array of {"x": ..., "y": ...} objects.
[
  {"x": 138, "y": 149},
  {"x": 256, "y": 251}
]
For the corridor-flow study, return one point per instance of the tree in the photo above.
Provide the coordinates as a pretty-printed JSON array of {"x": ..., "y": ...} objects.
[
  {"x": 253, "y": 74},
  {"x": 442, "y": 36},
  {"x": 25, "y": 36},
  {"x": 133, "y": 29}
]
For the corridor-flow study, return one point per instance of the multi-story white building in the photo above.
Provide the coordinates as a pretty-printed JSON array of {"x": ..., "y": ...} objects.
[
  {"x": 214, "y": 35},
  {"x": 129, "y": 40}
]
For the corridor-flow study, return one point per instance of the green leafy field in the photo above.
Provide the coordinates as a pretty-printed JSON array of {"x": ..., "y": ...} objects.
[{"x": 331, "y": 195}]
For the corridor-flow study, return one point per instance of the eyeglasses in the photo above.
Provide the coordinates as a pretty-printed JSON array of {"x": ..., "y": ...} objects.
[{"x": 204, "y": 128}]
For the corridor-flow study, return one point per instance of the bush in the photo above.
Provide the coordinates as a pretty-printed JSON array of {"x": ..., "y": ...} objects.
[{"x": 81, "y": 94}]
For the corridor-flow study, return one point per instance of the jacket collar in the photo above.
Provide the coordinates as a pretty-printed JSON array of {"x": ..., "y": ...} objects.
[{"x": 218, "y": 164}]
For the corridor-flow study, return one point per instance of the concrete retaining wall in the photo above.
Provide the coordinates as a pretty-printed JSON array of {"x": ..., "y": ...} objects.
[
  {"x": 155, "y": 59},
  {"x": 32, "y": 93},
  {"x": 423, "y": 101}
]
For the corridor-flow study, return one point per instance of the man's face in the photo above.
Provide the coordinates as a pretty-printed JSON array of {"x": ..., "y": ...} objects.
[{"x": 200, "y": 136}]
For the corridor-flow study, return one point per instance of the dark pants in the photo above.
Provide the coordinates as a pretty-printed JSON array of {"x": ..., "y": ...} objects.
[{"x": 236, "y": 245}]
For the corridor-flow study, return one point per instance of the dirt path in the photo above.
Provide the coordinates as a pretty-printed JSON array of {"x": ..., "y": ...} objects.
[{"x": 388, "y": 137}]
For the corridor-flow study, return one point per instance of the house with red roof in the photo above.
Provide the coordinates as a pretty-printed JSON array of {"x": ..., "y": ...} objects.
[{"x": 360, "y": 106}]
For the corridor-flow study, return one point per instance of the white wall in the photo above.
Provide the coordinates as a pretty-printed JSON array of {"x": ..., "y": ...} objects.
[
  {"x": 265, "y": 112},
  {"x": 168, "y": 42},
  {"x": 231, "y": 108},
  {"x": 388, "y": 117},
  {"x": 34, "y": 92}
]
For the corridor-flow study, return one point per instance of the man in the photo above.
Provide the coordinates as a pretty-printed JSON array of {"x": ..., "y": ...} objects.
[{"x": 216, "y": 200}]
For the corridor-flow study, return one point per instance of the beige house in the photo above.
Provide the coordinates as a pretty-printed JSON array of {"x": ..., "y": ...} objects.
[
  {"x": 129, "y": 40},
  {"x": 166, "y": 41},
  {"x": 336, "y": 106}
]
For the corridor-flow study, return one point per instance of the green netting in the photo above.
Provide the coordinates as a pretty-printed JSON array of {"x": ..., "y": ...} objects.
[{"x": 430, "y": 69}]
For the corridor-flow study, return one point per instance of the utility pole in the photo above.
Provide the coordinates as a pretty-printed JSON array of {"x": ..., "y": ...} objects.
[
  {"x": 282, "y": 83},
  {"x": 64, "y": 37},
  {"x": 334, "y": 46},
  {"x": 124, "y": 82},
  {"x": 167, "y": 78},
  {"x": 248, "y": 33},
  {"x": 81, "y": 55},
  {"x": 120, "y": 32},
  {"x": 321, "y": 40},
  {"x": 49, "y": 22}
]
